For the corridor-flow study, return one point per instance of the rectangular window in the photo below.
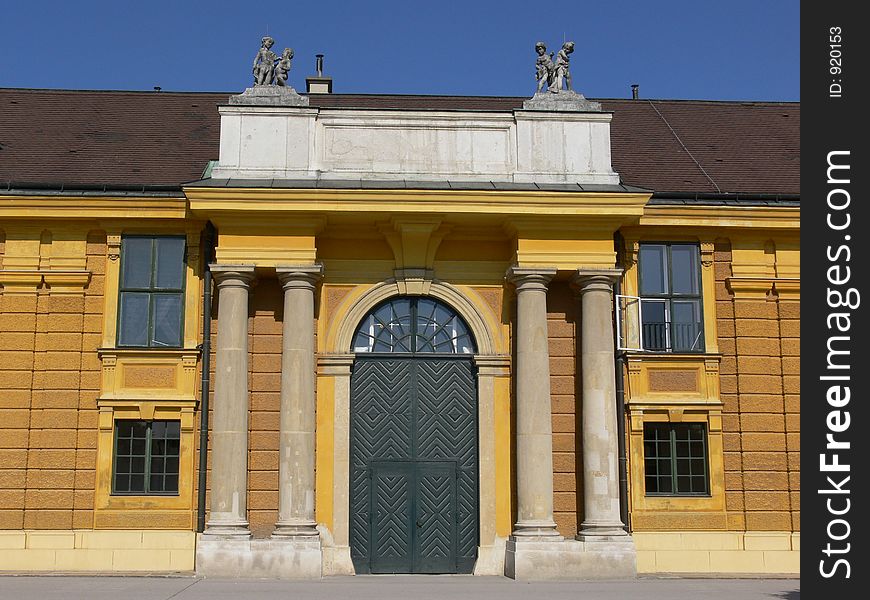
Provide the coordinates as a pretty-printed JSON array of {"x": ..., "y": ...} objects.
[
  {"x": 146, "y": 457},
  {"x": 670, "y": 286},
  {"x": 151, "y": 300},
  {"x": 675, "y": 459}
]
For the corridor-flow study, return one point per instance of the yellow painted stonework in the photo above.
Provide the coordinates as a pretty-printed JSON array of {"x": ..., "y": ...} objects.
[
  {"x": 376, "y": 244},
  {"x": 93, "y": 551},
  {"x": 718, "y": 552}
]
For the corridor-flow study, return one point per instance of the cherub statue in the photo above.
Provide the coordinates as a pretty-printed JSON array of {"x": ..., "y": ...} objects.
[
  {"x": 283, "y": 67},
  {"x": 264, "y": 63},
  {"x": 543, "y": 66},
  {"x": 560, "y": 70}
]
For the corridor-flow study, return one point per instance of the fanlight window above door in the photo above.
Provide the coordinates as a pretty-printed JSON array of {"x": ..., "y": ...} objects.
[{"x": 413, "y": 325}]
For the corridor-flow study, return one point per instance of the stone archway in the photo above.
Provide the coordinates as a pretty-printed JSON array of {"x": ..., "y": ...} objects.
[
  {"x": 492, "y": 365},
  {"x": 413, "y": 440}
]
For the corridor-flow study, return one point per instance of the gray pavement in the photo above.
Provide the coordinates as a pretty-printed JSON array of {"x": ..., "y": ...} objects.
[{"x": 385, "y": 587}]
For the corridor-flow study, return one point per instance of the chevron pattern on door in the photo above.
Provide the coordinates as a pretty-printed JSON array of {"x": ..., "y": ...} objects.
[
  {"x": 413, "y": 432},
  {"x": 380, "y": 428},
  {"x": 435, "y": 550},
  {"x": 447, "y": 429},
  {"x": 391, "y": 517}
]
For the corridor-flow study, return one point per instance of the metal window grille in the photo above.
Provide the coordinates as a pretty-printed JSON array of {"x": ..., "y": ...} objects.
[
  {"x": 675, "y": 459},
  {"x": 413, "y": 325},
  {"x": 146, "y": 457}
]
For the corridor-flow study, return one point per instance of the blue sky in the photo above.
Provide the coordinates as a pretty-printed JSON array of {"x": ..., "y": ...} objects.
[{"x": 734, "y": 50}]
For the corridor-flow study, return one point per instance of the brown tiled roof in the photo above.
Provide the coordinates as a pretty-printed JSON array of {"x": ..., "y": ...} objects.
[{"x": 119, "y": 139}]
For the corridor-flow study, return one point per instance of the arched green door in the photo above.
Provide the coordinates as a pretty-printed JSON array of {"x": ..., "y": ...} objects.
[{"x": 413, "y": 441}]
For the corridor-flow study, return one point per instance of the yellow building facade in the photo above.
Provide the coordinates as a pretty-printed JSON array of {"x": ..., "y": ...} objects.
[{"x": 453, "y": 337}]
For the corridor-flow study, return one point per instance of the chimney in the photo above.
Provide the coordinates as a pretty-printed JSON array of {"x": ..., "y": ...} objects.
[
  {"x": 318, "y": 84},
  {"x": 635, "y": 93}
]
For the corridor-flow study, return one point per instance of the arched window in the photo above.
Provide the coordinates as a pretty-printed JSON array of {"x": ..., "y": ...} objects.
[{"x": 413, "y": 325}]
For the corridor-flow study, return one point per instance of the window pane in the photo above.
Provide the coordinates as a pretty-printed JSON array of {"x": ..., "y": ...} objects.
[
  {"x": 139, "y": 429},
  {"x": 684, "y": 269},
  {"x": 655, "y": 324},
  {"x": 170, "y": 263},
  {"x": 158, "y": 429},
  {"x": 125, "y": 429},
  {"x": 653, "y": 262},
  {"x": 675, "y": 460},
  {"x": 686, "y": 326},
  {"x": 684, "y": 485},
  {"x": 137, "y": 483},
  {"x": 122, "y": 483},
  {"x": 363, "y": 342},
  {"x": 157, "y": 465},
  {"x": 167, "y": 320},
  {"x": 160, "y": 458},
  {"x": 136, "y": 258},
  {"x": 133, "y": 320},
  {"x": 122, "y": 465}
]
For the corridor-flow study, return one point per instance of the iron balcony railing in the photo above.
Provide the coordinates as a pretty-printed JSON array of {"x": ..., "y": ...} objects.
[{"x": 673, "y": 337}]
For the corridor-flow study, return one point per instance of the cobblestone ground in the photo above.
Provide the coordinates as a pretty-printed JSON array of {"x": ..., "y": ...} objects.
[{"x": 382, "y": 587}]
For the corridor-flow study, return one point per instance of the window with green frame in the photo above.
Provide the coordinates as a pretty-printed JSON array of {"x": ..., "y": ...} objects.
[
  {"x": 146, "y": 457},
  {"x": 670, "y": 290},
  {"x": 151, "y": 296},
  {"x": 675, "y": 459}
]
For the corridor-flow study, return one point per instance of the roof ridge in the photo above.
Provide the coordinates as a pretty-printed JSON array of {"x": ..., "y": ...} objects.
[{"x": 401, "y": 95}]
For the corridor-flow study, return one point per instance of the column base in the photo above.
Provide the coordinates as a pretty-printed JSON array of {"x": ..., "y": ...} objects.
[
  {"x": 536, "y": 530},
  {"x": 531, "y": 560},
  {"x": 294, "y": 530},
  {"x": 601, "y": 530},
  {"x": 237, "y": 530},
  {"x": 275, "y": 558}
]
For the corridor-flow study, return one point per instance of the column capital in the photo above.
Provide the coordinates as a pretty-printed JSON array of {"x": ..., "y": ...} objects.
[
  {"x": 227, "y": 276},
  {"x": 591, "y": 280},
  {"x": 530, "y": 278},
  {"x": 299, "y": 276}
]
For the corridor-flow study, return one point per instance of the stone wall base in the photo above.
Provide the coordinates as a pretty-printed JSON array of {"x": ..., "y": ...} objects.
[
  {"x": 88, "y": 550},
  {"x": 490, "y": 559},
  {"x": 290, "y": 558},
  {"x": 337, "y": 561},
  {"x": 570, "y": 559}
]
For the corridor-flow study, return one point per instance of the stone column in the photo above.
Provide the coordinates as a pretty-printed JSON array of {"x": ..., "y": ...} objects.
[
  {"x": 229, "y": 471},
  {"x": 600, "y": 438},
  {"x": 296, "y": 454},
  {"x": 534, "y": 419}
]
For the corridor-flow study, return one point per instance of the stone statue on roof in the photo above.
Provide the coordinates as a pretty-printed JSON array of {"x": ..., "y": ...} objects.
[
  {"x": 543, "y": 66},
  {"x": 561, "y": 74},
  {"x": 264, "y": 63},
  {"x": 271, "y": 86},
  {"x": 282, "y": 68},
  {"x": 557, "y": 78}
]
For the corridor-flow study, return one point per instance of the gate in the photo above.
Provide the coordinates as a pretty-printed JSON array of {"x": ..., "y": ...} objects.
[{"x": 414, "y": 462}]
